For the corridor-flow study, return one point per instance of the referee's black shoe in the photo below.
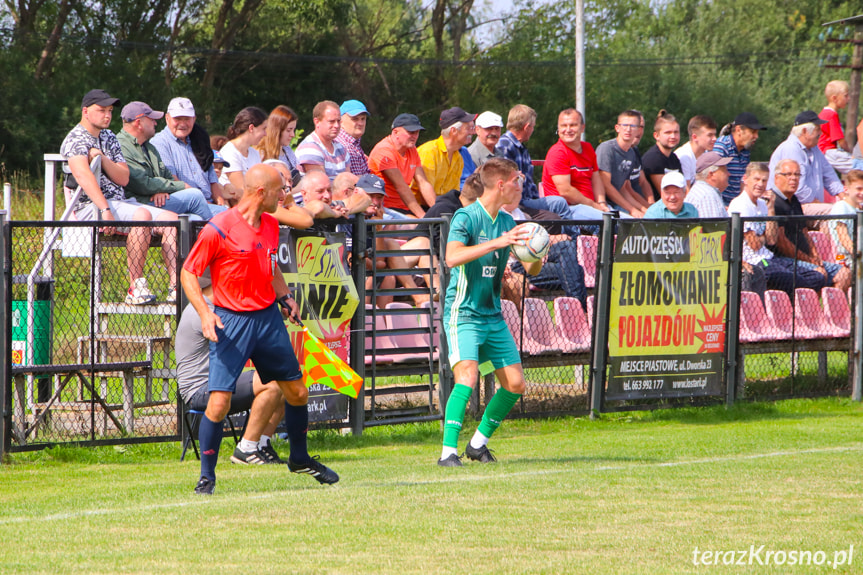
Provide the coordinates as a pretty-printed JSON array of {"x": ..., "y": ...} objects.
[{"x": 316, "y": 469}]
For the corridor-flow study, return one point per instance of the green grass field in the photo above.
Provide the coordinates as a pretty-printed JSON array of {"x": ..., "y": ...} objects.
[{"x": 628, "y": 493}]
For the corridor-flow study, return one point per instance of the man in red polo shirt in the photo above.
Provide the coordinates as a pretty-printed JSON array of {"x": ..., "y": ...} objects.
[
  {"x": 240, "y": 247},
  {"x": 570, "y": 168}
]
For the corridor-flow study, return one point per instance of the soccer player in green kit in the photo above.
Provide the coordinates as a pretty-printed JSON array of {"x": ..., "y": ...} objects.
[{"x": 477, "y": 250}]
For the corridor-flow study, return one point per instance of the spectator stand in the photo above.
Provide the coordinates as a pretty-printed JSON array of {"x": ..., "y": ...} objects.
[
  {"x": 68, "y": 301},
  {"x": 789, "y": 347}
]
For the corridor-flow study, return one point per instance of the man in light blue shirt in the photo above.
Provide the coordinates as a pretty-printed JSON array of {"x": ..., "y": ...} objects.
[
  {"x": 175, "y": 149},
  {"x": 816, "y": 173},
  {"x": 671, "y": 205}
]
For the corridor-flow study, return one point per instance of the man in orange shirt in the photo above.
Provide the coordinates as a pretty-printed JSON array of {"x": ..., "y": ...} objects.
[{"x": 395, "y": 159}]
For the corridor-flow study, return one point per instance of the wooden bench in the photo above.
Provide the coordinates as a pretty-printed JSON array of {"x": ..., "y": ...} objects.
[{"x": 127, "y": 370}]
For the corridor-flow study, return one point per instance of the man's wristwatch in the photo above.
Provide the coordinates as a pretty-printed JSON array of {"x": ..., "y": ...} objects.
[{"x": 103, "y": 210}]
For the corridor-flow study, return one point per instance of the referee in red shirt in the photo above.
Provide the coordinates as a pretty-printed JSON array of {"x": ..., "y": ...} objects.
[{"x": 240, "y": 247}]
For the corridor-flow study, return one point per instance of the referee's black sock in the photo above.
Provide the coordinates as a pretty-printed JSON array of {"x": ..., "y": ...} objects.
[
  {"x": 209, "y": 440},
  {"x": 297, "y": 426}
]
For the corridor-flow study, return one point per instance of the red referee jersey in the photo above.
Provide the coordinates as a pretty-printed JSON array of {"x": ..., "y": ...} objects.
[{"x": 242, "y": 260}]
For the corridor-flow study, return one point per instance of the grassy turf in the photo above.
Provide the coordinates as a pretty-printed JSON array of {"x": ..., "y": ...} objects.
[{"x": 628, "y": 493}]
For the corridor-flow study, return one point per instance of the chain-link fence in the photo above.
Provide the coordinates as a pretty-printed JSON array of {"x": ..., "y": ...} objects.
[
  {"x": 92, "y": 318},
  {"x": 797, "y": 292}
]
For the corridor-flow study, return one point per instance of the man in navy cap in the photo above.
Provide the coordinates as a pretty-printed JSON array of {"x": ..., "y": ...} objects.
[
  {"x": 742, "y": 135},
  {"x": 441, "y": 159},
  {"x": 150, "y": 182},
  {"x": 816, "y": 173},
  {"x": 354, "y": 117},
  {"x": 396, "y": 160}
]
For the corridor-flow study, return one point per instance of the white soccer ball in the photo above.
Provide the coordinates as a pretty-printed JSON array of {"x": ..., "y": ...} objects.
[{"x": 535, "y": 246}]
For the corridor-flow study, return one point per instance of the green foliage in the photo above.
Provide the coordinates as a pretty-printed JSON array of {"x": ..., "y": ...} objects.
[{"x": 717, "y": 57}]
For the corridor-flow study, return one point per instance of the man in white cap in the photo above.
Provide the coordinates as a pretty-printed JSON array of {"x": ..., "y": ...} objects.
[
  {"x": 488, "y": 127},
  {"x": 816, "y": 173},
  {"x": 354, "y": 118},
  {"x": 711, "y": 179},
  {"x": 671, "y": 204},
  {"x": 175, "y": 147},
  {"x": 150, "y": 182}
]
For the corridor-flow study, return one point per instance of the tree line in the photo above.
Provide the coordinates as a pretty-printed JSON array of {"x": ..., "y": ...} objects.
[{"x": 716, "y": 57}]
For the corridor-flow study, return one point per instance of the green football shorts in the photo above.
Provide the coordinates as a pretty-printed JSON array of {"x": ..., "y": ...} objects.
[{"x": 489, "y": 341}]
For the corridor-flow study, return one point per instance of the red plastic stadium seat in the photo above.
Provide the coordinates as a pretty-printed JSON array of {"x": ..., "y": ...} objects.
[
  {"x": 824, "y": 246},
  {"x": 572, "y": 322},
  {"x": 808, "y": 312},
  {"x": 541, "y": 335},
  {"x": 586, "y": 247},
  {"x": 754, "y": 323},
  {"x": 523, "y": 341},
  {"x": 424, "y": 319},
  {"x": 836, "y": 309},
  {"x": 383, "y": 341},
  {"x": 780, "y": 312},
  {"x": 406, "y": 340}
]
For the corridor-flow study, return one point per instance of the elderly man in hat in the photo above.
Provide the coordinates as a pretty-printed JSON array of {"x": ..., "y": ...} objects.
[
  {"x": 105, "y": 200},
  {"x": 488, "y": 130},
  {"x": 742, "y": 135},
  {"x": 150, "y": 182},
  {"x": 816, "y": 173},
  {"x": 185, "y": 150},
  {"x": 671, "y": 204},
  {"x": 711, "y": 179},
  {"x": 354, "y": 118},
  {"x": 395, "y": 159}
]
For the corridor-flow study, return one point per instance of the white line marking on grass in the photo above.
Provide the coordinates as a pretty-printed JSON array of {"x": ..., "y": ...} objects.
[{"x": 407, "y": 483}]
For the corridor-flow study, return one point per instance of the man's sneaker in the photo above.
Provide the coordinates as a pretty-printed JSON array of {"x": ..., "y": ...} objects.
[
  {"x": 139, "y": 293},
  {"x": 172, "y": 295},
  {"x": 481, "y": 454},
  {"x": 316, "y": 469},
  {"x": 271, "y": 454},
  {"x": 205, "y": 486},
  {"x": 451, "y": 461},
  {"x": 253, "y": 458}
]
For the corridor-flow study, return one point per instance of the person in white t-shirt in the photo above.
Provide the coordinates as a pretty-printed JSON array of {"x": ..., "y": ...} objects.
[
  {"x": 248, "y": 129},
  {"x": 840, "y": 231},
  {"x": 702, "y": 136},
  {"x": 761, "y": 270}
]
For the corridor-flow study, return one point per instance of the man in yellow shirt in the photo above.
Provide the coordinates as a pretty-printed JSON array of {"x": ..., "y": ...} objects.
[{"x": 441, "y": 160}]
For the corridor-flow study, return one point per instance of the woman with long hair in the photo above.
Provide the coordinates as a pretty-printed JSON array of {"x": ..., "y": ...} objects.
[
  {"x": 248, "y": 129},
  {"x": 276, "y": 145}
]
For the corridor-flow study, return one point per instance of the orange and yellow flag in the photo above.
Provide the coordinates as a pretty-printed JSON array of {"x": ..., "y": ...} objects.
[{"x": 321, "y": 365}]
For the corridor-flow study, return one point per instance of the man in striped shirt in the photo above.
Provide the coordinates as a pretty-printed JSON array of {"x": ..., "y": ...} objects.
[{"x": 736, "y": 145}]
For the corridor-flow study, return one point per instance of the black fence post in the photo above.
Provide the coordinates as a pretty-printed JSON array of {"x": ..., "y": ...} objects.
[
  {"x": 5, "y": 341},
  {"x": 184, "y": 245},
  {"x": 857, "y": 387},
  {"x": 733, "y": 310},
  {"x": 445, "y": 377},
  {"x": 357, "y": 413},
  {"x": 600, "y": 325}
]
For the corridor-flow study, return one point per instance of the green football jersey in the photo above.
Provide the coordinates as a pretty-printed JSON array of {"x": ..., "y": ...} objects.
[{"x": 474, "y": 288}]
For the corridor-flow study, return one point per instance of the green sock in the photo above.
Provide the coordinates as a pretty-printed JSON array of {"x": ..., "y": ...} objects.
[
  {"x": 498, "y": 408},
  {"x": 454, "y": 414}
]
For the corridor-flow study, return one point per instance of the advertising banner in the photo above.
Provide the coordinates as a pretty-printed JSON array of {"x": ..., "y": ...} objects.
[
  {"x": 668, "y": 312},
  {"x": 313, "y": 264}
]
